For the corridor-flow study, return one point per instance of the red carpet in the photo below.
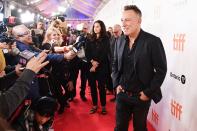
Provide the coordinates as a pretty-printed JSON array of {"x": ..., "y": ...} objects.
[{"x": 77, "y": 117}]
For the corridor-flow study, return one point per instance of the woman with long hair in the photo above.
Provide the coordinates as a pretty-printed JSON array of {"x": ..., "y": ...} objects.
[
  {"x": 52, "y": 38},
  {"x": 98, "y": 48}
]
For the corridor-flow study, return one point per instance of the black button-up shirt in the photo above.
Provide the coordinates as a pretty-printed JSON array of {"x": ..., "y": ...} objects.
[{"x": 129, "y": 79}]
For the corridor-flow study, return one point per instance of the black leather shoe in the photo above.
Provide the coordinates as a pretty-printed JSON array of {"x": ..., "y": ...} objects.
[
  {"x": 104, "y": 111},
  {"x": 93, "y": 110}
]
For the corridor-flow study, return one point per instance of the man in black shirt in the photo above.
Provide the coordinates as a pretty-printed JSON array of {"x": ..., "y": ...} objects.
[{"x": 138, "y": 71}]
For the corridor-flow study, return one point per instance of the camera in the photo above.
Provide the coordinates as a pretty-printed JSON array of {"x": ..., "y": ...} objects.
[
  {"x": 78, "y": 44},
  {"x": 24, "y": 57},
  {"x": 4, "y": 36},
  {"x": 78, "y": 48},
  {"x": 10, "y": 21}
]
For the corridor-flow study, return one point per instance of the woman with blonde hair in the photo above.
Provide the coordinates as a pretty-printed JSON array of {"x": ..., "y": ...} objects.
[{"x": 52, "y": 38}]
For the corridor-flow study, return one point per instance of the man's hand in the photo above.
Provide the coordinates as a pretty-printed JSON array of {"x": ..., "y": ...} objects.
[
  {"x": 36, "y": 63},
  {"x": 70, "y": 85},
  {"x": 94, "y": 63},
  {"x": 2, "y": 74},
  {"x": 92, "y": 69},
  {"x": 119, "y": 89},
  {"x": 69, "y": 55},
  {"x": 143, "y": 97},
  {"x": 4, "y": 45}
]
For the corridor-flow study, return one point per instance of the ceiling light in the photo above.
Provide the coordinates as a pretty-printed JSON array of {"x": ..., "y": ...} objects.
[
  {"x": 19, "y": 10},
  {"x": 12, "y": 7},
  {"x": 61, "y": 9}
]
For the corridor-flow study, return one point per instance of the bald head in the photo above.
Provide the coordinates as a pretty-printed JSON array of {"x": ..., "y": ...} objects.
[{"x": 117, "y": 31}]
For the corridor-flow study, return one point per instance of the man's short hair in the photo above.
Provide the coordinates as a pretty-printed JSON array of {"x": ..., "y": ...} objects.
[{"x": 134, "y": 8}]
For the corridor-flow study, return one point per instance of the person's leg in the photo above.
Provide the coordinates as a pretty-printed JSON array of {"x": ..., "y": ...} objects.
[
  {"x": 140, "y": 117},
  {"x": 93, "y": 88},
  {"x": 102, "y": 95},
  {"x": 123, "y": 113},
  {"x": 83, "y": 81}
]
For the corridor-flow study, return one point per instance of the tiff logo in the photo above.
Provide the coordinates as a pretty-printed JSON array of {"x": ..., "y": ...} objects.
[
  {"x": 178, "y": 42},
  {"x": 176, "y": 109},
  {"x": 155, "y": 117}
]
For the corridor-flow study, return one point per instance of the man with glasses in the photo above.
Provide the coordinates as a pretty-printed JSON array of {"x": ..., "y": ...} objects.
[
  {"x": 138, "y": 71},
  {"x": 24, "y": 42}
]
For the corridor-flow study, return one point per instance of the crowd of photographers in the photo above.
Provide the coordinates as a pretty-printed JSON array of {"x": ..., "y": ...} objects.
[{"x": 39, "y": 68}]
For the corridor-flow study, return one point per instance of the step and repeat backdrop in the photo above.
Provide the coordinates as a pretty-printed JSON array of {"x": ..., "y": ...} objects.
[{"x": 175, "y": 22}]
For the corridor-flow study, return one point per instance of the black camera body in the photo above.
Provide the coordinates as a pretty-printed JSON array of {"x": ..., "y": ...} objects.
[
  {"x": 4, "y": 36},
  {"x": 79, "y": 47},
  {"x": 78, "y": 44}
]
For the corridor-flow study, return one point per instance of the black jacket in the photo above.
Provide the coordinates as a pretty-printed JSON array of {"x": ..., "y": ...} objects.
[
  {"x": 7, "y": 81},
  {"x": 13, "y": 97},
  {"x": 149, "y": 63},
  {"x": 99, "y": 50}
]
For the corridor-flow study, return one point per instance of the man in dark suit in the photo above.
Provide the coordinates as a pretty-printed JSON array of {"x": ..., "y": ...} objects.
[{"x": 138, "y": 71}]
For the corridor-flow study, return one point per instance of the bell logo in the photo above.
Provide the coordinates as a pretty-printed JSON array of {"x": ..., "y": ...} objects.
[
  {"x": 155, "y": 117},
  {"x": 183, "y": 79},
  {"x": 176, "y": 109},
  {"x": 178, "y": 42}
]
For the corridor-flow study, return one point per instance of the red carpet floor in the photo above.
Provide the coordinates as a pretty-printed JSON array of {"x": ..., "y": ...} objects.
[{"x": 77, "y": 117}]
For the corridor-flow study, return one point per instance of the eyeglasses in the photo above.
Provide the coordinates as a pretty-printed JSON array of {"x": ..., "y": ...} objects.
[{"x": 24, "y": 34}]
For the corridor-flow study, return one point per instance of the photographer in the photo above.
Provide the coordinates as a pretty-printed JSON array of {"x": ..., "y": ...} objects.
[{"x": 16, "y": 94}]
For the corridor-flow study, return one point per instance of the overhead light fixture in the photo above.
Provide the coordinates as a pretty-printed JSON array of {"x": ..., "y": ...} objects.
[
  {"x": 27, "y": 17},
  {"x": 55, "y": 13},
  {"x": 1, "y": 16},
  {"x": 12, "y": 7},
  {"x": 61, "y": 9},
  {"x": 19, "y": 10}
]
